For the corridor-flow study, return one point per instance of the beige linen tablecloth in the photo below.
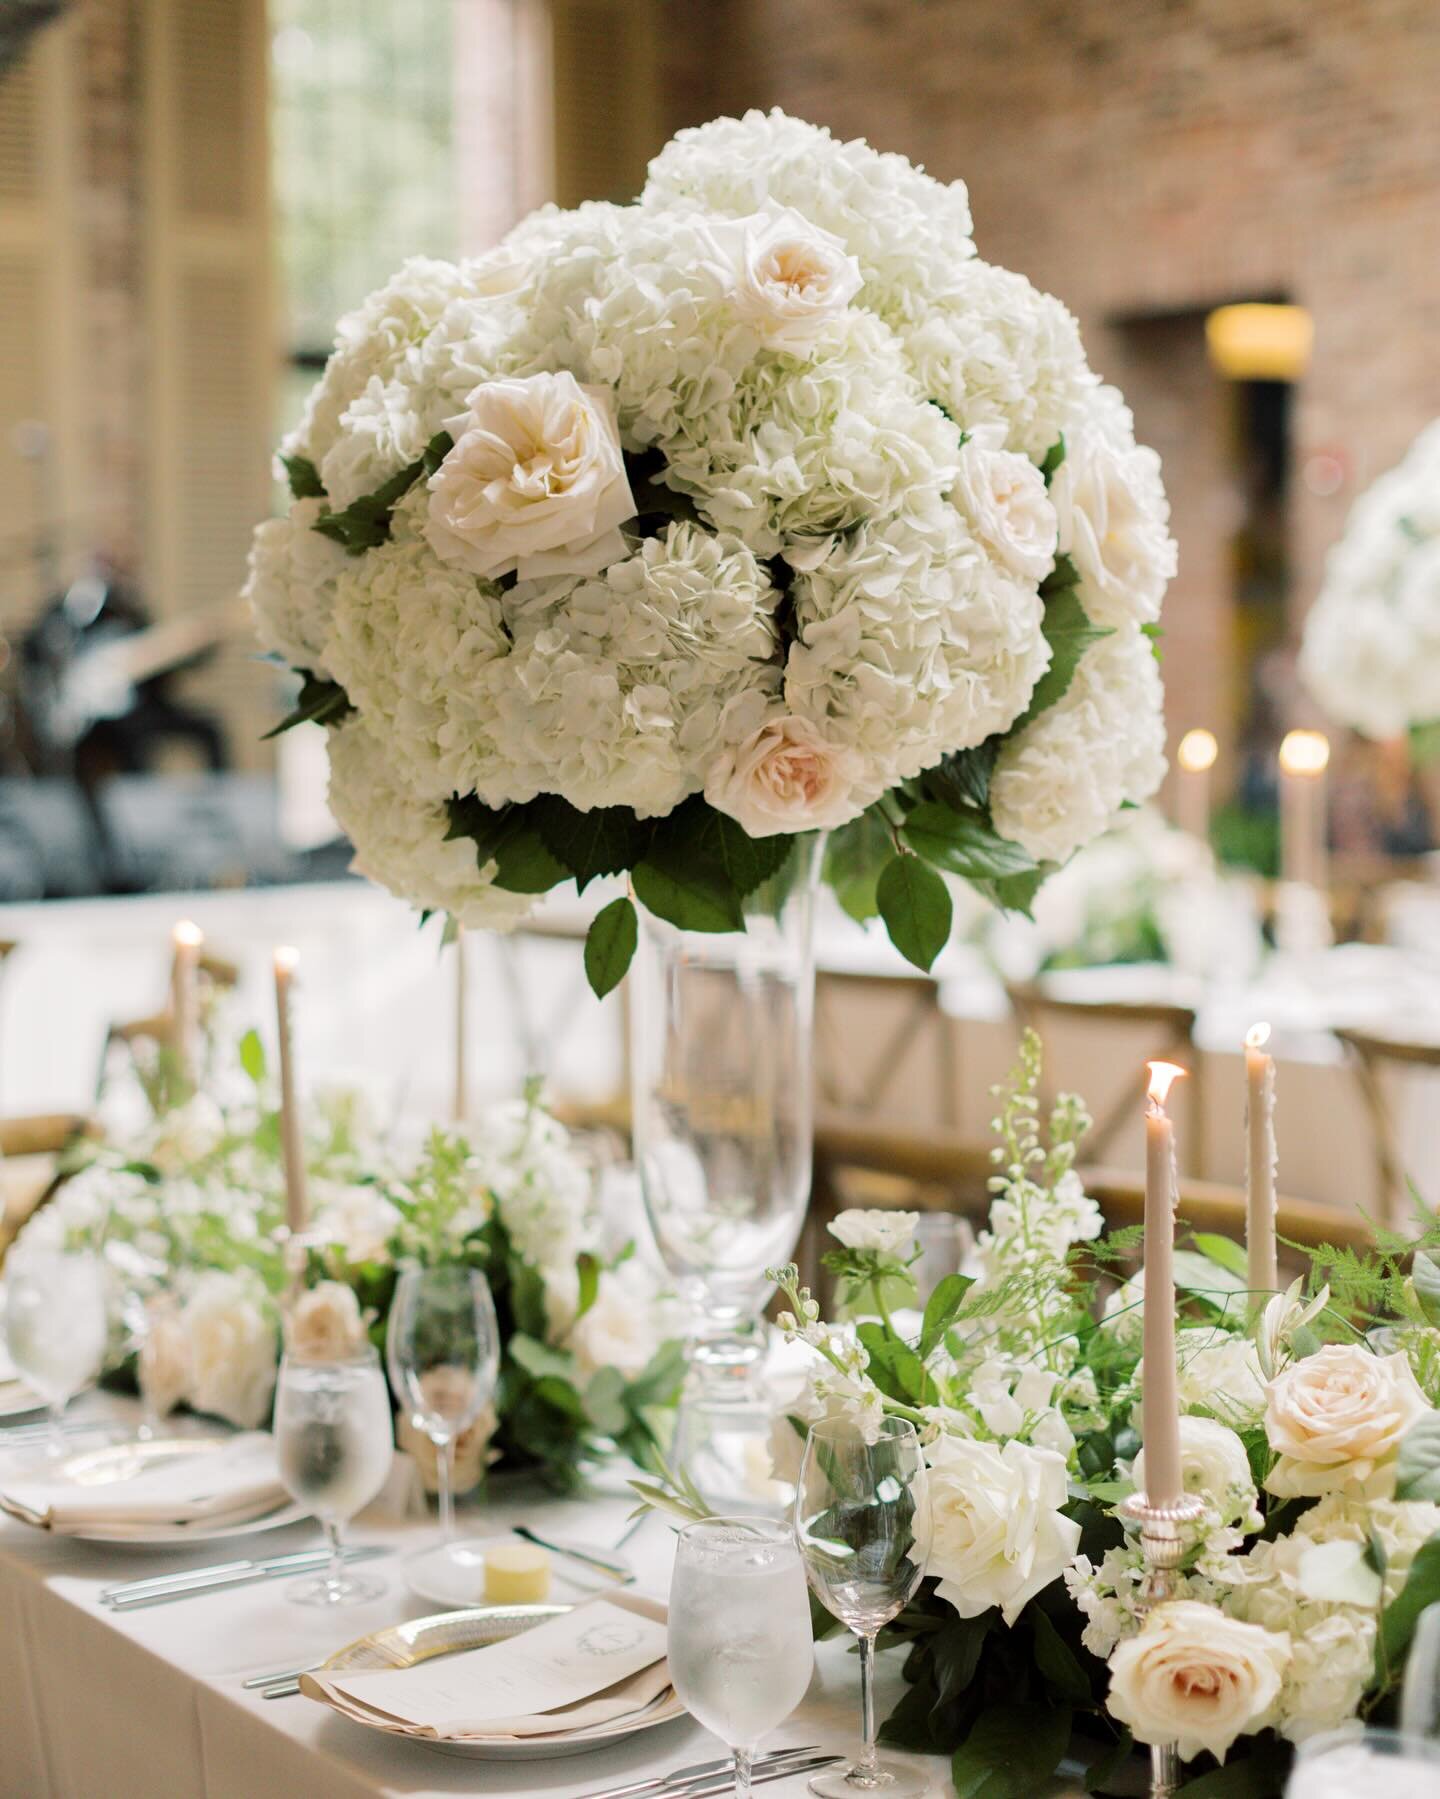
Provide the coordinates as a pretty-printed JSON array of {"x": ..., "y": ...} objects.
[{"x": 150, "y": 1705}]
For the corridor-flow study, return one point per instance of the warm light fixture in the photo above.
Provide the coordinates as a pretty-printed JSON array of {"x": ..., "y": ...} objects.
[
  {"x": 1259, "y": 342},
  {"x": 1197, "y": 751},
  {"x": 1304, "y": 753},
  {"x": 1163, "y": 1076}
]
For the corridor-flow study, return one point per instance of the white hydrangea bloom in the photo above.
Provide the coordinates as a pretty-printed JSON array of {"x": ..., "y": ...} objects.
[
  {"x": 543, "y": 1189},
  {"x": 399, "y": 836},
  {"x": 1063, "y": 778},
  {"x": 291, "y": 585},
  {"x": 1371, "y": 652}
]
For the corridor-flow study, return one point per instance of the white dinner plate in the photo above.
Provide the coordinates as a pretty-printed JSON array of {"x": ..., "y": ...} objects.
[
  {"x": 17, "y": 1400},
  {"x": 458, "y": 1581},
  {"x": 449, "y": 1633}
]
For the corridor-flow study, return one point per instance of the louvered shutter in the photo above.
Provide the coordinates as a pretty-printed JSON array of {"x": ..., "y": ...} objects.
[
  {"x": 604, "y": 67},
  {"x": 213, "y": 361}
]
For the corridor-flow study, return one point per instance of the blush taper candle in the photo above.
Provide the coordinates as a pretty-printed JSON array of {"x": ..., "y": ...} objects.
[{"x": 1161, "y": 1397}]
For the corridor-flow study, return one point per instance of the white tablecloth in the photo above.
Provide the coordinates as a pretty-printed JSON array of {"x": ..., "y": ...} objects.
[{"x": 150, "y": 1705}]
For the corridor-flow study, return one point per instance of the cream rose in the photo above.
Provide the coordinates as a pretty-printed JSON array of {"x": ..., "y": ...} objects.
[
  {"x": 162, "y": 1368},
  {"x": 998, "y": 1535},
  {"x": 1215, "y": 1468},
  {"x": 791, "y": 277},
  {"x": 448, "y": 1392},
  {"x": 325, "y": 1324},
  {"x": 1336, "y": 1420},
  {"x": 1113, "y": 520},
  {"x": 535, "y": 481},
  {"x": 785, "y": 777},
  {"x": 1196, "y": 1678},
  {"x": 887, "y": 1233},
  {"x": 1004, "y": 498},
  {"x": 232, "y": 1351}
]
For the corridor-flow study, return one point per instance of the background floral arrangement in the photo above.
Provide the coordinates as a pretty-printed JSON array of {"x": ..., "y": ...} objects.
[
  {"x": 663, "y": 533},
  {"x": 189, "y": 1215},
  {"x": 1371, "y": 654},
  {"x": 1309, "y": 1431}
]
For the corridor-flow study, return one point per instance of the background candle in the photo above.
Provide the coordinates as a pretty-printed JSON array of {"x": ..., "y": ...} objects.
[
  {"x": 1161, "y": 1392},
  {"x": 1264, "y": 1276},
  {"x": 1304, "y": 757},
  {"x": 185, "y": 997},
  {"x": 1194, "y": 758},
  {"x": 291, "y": 1141}
]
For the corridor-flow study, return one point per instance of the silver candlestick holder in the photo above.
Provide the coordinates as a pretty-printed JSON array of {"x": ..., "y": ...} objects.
[{"x": 1163, "y": 1531}]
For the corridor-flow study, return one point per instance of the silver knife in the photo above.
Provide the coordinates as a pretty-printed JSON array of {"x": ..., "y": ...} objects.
[
  {"x": 699, "y": 1771},
  {"x": 619, "y": 1572},
  {"x": 236, "y": 1574},
  {"x": 725, "y": 1782}
]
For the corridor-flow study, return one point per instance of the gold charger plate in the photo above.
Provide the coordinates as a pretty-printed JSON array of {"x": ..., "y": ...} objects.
[{"x": 450, "y": 1633}]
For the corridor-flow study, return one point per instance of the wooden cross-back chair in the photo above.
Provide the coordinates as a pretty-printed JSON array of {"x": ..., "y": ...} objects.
[
  {"x": 159, "y": 1027},
  {"x": 1172, "y": 1027},
  {"x": 857, "y": 1080},
  {"x": 29, "y": 1152},
  {"x": 1370, "y": 1056}
]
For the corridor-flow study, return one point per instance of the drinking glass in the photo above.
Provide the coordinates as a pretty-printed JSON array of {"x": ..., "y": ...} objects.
[
  {"x": 740, "y": 1649},
  {"x": 332, "y": 1439},
  {"x": 442, "y": 1347},
  {"x": 56, "y": 1325},
  {"x": 1362, "y": 1762},
  {"x": 1420, "y": 1693},
  {"x": 862, "y": 1521}
]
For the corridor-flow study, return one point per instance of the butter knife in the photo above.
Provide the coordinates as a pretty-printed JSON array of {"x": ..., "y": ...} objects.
[
  {"x": 620, "y": 1572},
  {"x": 136, "y": 1594}
]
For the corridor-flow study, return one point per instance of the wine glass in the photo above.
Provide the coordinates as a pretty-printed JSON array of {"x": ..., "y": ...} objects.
[
  {"x": 1363, "y": 1762},
  {"x": 56, "y": 1325},
  {"x": 332, "y": 1439},
  {"x": 740, "y": 1649},
  {"x": 862, "y": 1521},
  {"x": 1420, "y": 1692},
  {"x": 442, "y": 1347}
]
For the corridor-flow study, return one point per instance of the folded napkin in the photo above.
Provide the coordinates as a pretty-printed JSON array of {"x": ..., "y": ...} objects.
[
  {"x": 236, "y": 1481},
  {"x": 601, "y": 1664}
]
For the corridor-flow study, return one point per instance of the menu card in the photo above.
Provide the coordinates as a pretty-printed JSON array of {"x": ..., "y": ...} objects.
[{"x": 238, "y": 1479}]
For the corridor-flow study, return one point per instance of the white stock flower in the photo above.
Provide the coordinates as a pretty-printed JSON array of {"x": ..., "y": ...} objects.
[
  {"x": 542, "y": 1188},
  {"x": 1214, "y": 1467},
  {"x": 790, "y": 277},
  {"x": 1196, "y": 1678},
  {"x": 325, "y": 1324},
  {"x": 785, "y": 778},
  {"x": 233, "y": 1351},
  {"x": 887, "y": 1233},
  {"x": 998, "y": 1535},
  {"x": 1337, "y": 1419},
  {"x": 825, "y": 1396},
  {"x": 1219, "y": 1373},
  {"x": 535, "y": 481},
  {"x": 1004, "y": 499},
  {"x": 290, "y": 585}
]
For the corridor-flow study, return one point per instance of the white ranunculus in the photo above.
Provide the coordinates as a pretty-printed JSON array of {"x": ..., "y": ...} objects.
[
  {"x": 1214, "y": 1467},
  {"x": 785, "y": 778},
  {"x": 887, "y": 1233},
  {"x": 998, "y": 1535},
  {"x": 1004, "y": 499},
  {"x": 790, "y": 276},
  {"x": 1196, "y": 1678},
  {"x": 233, "y": 1355},
  {"x": 535, "y": 481},
  {"x": 629, "y": 1320},
  {"x": 1336, "y": 1421},
  {"x": 325, "y": 1324},
  {"x": 162, "y": 1367}
]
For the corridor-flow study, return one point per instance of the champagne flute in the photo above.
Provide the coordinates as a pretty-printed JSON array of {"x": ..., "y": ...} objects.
[
  {"x": 56, "y": 1325},
  {"x": 740, "y": 1649},
  {"x": 862, "y": 1521},
  {"x": 332, "y": 1439},
  {"x": 442, "y": 1347}
]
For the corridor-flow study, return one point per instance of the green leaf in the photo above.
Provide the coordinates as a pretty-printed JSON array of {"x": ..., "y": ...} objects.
[
  {"x": 1198, "y": 1274},
  {"x": 365, "y": 523},
  {"x": 1398, "y": 1620},
  {"x": 1224, "y": 1252},
  {"x": 1108, "y": 1764},
  {"x": 915, "y": 904},
  {"x": 610, "y": 945},
  {"x": 1016, "y": 893},
  {"x": 1260, "y": 1775},
  {"x": 252, "y": 1056},
  {"x": 855, "y": 857},
  {"x": 1056, "y": 1661},
  {"x": 1425, "y": 1274},
  {"x": 1011, "y": 1752},
  {"x": 1054, "y": 456},
  {"x": 540, "y": 1360},
  {"x": 956, "y": 1650},
  {"x": 696, "y": 829},
  {"x": 942, "y": 1308},
  {"x": 558, "y": 1390},
  {"x": 1069, "y": 633},
  {"x": 963, "y": 843},
  {"x": 304, "y": 478},
  {"x": 693, "y": 896},
  {"x": 894, "y": 1366},
  {"x": 605, "y": 1401},
  {"x": 606, "y": 840},
  {"x": 487, "y": 828},
  {"x": 962, "y": 779},
  {"x": 321, "y": 702},
  {"x": 524, "y": 865},
  {"x": 1417, "y": 1468},
  {"x": 659, "y": 1380},
  {"x": 587, "y": 1274}
]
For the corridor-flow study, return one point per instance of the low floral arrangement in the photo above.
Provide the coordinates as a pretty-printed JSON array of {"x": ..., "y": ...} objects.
[
  {"x": 1308, "y": 1431},
  {"x": 665, "y": 533},
  {"x": 189, "y": 1214},
  {"x": 1371, "y": 652}
]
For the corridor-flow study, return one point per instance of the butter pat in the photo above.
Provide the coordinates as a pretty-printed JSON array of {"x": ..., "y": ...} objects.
[{"x": 516, "y": 1574}]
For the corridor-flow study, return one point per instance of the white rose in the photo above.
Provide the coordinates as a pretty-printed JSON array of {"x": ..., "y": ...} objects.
[
  {"x": 785, "y": 778},
  {"x": 357, "y": 1218},
  {"x": 887, "y": 1233},
  {"x": 790, "y": 276},
  {"x": 628, "y": 1321},
  {"x": 1006, "y": 502},
  {"x": 1336, "y": 1420},
  {"x": 998, "y": 1536},
  {"x": 535, "y": 481},
  {"x": 232, "y": 1351},
  {"x": 1215, "y": 1468},
  {"x": 163, "y": 1364},
  {"x": 325, "y": 1324},
  {"x": 472, "y": 1451},
  {"x": 1196, "y": 1678}
]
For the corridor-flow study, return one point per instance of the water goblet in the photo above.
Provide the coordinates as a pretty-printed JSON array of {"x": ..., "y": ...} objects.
[
  {"x": 862, "y": 1523},
  {"x": 1420, "y": 1692},
  {"x": 333, "y": 1442},
  {"x": 1363, "y": 1762},
  {"x": 740, "y": 1649},
  {"x": 56, "y": 1325}
]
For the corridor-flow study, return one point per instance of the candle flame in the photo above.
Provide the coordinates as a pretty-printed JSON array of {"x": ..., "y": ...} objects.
[
  {"x": 1304, "y": 753},
  {"x": 287, "y": 960},
  {"x": 1163, "y": 1076},
  {"x": 1197, "y": 751},
  {"x": 188, "y": 934},
  {"x": 1257, "y": 1036}
]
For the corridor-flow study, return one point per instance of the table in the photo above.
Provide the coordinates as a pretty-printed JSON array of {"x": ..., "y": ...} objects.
[{"x": 150, "y": 1705}]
